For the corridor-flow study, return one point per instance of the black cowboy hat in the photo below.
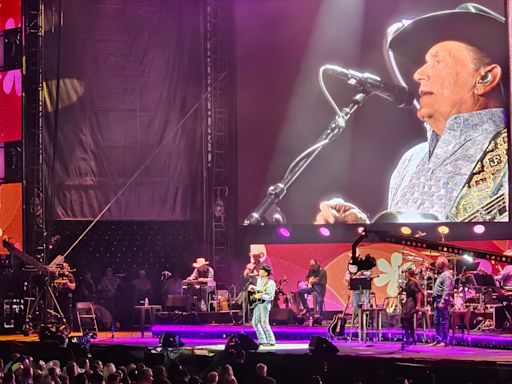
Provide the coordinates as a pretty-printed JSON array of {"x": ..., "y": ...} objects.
[
  {"x": 266, "y": 268},
  {"x": 469, "y": 23}
]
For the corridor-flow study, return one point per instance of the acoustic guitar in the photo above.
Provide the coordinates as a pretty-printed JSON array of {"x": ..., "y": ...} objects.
[{"x": 337, "y": 327}]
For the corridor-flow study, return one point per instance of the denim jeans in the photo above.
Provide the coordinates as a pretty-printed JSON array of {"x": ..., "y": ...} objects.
[
  {"x": 441, "y": 322},
  {"x": 318, "y": 292},
  {"x": 261, "y": 324}
]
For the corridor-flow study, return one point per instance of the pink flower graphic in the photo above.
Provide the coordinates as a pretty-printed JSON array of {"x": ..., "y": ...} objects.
[
  {"x": 13, "y": 80},
  {"x": 9, "y": 24}
]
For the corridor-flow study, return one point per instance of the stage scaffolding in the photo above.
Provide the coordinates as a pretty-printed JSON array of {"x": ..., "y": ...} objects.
[
  {"x": 34, "y": 218},
  {"x": 219, "y": 133}
]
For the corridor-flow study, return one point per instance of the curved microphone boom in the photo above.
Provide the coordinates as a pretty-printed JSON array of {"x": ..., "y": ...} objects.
[{"x": 373, "y": 84}]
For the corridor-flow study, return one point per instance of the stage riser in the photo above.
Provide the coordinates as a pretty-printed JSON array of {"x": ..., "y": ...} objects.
[{"x": 304, "y": 333}]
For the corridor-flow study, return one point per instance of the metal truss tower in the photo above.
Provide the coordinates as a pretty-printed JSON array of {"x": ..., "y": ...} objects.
[
  {"x": 219, "y": 134},
  {"x": 33, "y": 146}
]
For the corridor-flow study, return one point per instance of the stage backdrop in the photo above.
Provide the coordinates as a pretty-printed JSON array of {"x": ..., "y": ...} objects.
[
  {"x": 290, "y": 263},
  {"x": 131, "y": 72}
]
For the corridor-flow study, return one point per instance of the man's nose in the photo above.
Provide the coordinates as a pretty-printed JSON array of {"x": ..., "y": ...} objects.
[{"x": 420, "y": 74}]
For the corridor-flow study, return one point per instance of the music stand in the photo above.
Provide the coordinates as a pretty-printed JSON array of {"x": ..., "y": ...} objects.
[{"x": 360, "y": 284}]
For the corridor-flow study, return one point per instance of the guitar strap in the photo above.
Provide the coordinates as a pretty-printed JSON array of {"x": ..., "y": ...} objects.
[{"x": 485, "y": 181}]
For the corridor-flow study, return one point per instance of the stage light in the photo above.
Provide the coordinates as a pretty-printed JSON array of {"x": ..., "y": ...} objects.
[
  {"x": 284, "y": 232},
  {"x": 468, "y": 258},
  {"x": 479, "y": 229},
  {"x": 443, "y": 229},
  {"x": 361, "y": 230},
  {"x": 324, "y": 231},
  {"x": 405, "y": 230}
]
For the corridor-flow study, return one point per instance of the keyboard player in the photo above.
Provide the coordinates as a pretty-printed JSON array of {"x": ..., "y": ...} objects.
[
  {"x": 505, "y": 278},
  {"x": 201, "y": 282}
]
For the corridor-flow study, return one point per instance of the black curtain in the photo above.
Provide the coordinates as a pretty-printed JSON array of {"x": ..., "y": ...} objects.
[{"x": 130, "y": 72}]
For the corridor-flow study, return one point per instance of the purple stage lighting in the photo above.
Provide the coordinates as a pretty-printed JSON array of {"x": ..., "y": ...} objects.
[
  {"x": 283, "y": 232},
  {"x": 479, "y": 229},
  {"x": 324, "y": 231}
]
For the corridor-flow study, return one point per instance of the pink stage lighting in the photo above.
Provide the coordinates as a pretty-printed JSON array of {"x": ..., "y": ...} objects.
[
  {"x": 324, "y": 231},
  {"x": 479, "y": 229},
  {"x": 283, "y": 232}
]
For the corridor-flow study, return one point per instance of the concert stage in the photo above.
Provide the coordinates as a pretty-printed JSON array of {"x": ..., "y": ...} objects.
[{"x": 489, "y": 357}]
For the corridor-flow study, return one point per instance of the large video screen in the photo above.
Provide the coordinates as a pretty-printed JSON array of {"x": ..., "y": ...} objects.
[
  {"x": 290, "y": 265},
  {"x": 443, "y": 158},
  {"x": 10, "y": 105},
  {"x": 11, "y": 214}
]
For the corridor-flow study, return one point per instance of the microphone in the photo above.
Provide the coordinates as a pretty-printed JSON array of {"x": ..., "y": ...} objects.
[{"x": 393, "y": 92}]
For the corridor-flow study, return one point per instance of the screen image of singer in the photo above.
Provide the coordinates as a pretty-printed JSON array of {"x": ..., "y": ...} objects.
[
  {"x": 11, "y": 217},
  {"x": 441, "y": 159}
]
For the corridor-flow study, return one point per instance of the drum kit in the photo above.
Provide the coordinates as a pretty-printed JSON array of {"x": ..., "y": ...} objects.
[{"x": 469, "y": 287}]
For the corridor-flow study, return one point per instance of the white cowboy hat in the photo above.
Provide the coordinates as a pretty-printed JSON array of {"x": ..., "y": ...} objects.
[{"x": 200, "y": 262}]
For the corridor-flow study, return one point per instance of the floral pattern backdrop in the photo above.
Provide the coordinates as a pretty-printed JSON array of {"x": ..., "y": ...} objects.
[{"x": 291, "y": 262}]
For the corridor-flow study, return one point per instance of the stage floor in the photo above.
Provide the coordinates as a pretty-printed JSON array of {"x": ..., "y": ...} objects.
[
  {"x": 204, "y": 345},
  {"x": 212, "y": 339}
]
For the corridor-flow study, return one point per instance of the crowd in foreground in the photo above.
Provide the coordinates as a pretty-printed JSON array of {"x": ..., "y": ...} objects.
[{"x": 25, "y": 370}]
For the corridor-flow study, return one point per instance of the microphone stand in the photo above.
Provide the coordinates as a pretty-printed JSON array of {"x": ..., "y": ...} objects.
[{"x": 277, "y": 191}]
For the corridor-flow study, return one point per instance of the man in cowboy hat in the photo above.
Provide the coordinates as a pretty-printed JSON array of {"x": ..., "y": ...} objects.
[
  {"x": 457, "y": 63},
  {"x": 204, "y": 274},
  {"x": 260, "y": 317}
]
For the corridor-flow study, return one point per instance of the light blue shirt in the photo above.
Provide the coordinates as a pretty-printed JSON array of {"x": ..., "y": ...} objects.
[
  {"x": 270, "y": 289},
  {"x": 430, "y": 176}
]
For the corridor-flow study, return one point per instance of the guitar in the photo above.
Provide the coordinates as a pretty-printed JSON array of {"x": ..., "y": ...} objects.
[
  {"x": 254, "y": 296},
  {"x": 337, "y": 326}
]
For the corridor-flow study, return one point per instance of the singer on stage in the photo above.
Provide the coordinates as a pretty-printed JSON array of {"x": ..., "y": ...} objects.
[
  {"x": 460, "y": 74},
  {"x": 260, "y": 317}
]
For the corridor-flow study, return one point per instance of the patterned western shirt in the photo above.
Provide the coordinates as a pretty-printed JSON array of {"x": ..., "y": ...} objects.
[{"x": 430, "y": 176}]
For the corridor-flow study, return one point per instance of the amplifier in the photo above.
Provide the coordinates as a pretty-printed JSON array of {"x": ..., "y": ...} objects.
[{"x": 13, "y": 314}]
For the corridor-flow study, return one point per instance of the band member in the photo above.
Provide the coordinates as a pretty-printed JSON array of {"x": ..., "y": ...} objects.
[
  {"x": 203, "y": 273},
  {"x": 505, "y": 277},
  {"x": 316, "y": 279},
  {"x": 360, "y": 267},
  {"x": 141, "y": 287},
  {"x": 66, "y": 285},
  {"x": 108, "y": 285},
  {"x": 411, "y": 306},
  {"x": 260, "y": 317},
  {"x": 460, "y": 75},
  {"x": 442, "y": 292},
  {"x": 251, "y": 269}
]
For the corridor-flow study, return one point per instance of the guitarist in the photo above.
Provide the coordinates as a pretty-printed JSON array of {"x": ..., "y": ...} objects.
[
  {"x": 317, "y": 283},
  {"x": 265, "y": 291}
]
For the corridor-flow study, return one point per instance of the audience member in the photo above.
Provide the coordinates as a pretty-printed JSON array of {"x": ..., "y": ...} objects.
[
  {"x": 81, "y": 378},
  {"x": 96, "y": 378},
  {"x": 8, "y": 377},
  {"x": 71, "y": 371},
  {"x": 113, "y": 378},
  {"x": 194, "y": 380},
  {"x": 145, "y": 376},
  {"x": 261, "y": 375},
  {"x": 226, "y": 375},
  {"x": 108, "y": 369},
  {"x": 26, "y": 375},
  {"x": 212, "y": 378}
]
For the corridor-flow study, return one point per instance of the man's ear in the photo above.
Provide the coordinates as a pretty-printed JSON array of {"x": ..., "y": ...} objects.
[{"x": 490, "y": 78}]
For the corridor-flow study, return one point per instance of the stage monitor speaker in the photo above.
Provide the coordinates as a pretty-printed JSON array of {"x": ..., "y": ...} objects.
[
  {"x": 178, "y": 303},
  {"x": 240, "y": 342},
  {"x": 170, "y": 340},
  {"x": 321, "y": 346},
  {"x": 282, "y": 316}
]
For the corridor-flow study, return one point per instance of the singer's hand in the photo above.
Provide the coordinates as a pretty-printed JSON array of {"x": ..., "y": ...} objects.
[{"x": 338, "y": 211}]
